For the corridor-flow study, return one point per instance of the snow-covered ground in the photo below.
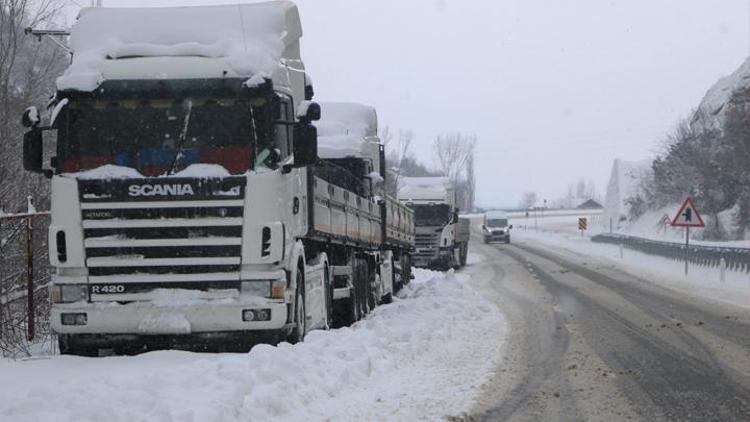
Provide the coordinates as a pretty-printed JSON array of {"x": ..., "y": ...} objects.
[
  {"x": 425, "y": 356},
  {"x": 701, "y": 281}
]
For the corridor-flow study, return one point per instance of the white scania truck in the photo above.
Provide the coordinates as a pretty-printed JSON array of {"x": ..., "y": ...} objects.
[
  {"x": 190, "y": 208},
  {"x": 442, "y": 238}
]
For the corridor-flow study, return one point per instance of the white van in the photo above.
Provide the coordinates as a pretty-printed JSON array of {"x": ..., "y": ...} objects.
[{"x": 496, "y": 227}]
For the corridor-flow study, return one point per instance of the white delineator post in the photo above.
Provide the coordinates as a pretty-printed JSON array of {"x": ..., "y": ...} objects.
[{"x": 722, "y": 270}]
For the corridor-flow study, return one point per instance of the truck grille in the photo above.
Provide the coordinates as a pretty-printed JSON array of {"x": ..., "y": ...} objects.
[
  {"x": 426, "y": 245},
  {"x": 179, "y": 227}
]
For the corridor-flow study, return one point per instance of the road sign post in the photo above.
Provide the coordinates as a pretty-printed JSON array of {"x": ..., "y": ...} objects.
[{"x": 687, "y": 217}]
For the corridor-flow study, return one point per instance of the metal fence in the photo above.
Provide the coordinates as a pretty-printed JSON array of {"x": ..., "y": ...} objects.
[{"x": 737, "y": 259}]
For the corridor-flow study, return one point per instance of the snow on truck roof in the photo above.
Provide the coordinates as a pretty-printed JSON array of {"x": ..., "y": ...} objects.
[
  {"x": 424, "y": 188},
  {"x": 491, "y": 215},
  {"x": 347, "y": 130},
  {"x": 238, "y": 40}
]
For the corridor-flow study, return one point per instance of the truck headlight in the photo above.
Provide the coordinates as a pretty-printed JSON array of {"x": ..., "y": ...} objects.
[
  {"x": 256, "y": 288},
  {"x": 69, "y": 293},
  {"x": 268, "y": 289}
]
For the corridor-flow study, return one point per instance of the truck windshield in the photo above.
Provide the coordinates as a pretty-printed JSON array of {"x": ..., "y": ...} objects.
[
  {"x": 431, "y": 215},
  {"x": 152, "y": 136},
  {"x": 497, "y": 222}
]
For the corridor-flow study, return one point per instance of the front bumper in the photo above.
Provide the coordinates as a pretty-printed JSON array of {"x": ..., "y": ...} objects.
[
  {"x": 144, "y": 318},
  {"x": 439, "y": 260},
  {"x": 504, "y": 237}
]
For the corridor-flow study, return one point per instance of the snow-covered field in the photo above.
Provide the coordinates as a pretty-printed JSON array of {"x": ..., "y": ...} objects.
[
  {"x": 701, "y": 281},
  {"x": 423, "y": 357}
]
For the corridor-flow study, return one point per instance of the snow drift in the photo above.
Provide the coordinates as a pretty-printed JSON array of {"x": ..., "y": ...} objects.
[
  {"x": 423, "y": 357},
  {"x": 624, "y": 185}
]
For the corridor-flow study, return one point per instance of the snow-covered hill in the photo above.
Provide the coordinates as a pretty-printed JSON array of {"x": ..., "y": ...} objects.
[{"x": 712, "y": 110}]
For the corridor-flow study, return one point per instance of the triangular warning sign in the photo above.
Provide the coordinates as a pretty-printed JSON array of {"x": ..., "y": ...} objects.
[{"x": 688, "y": 215}]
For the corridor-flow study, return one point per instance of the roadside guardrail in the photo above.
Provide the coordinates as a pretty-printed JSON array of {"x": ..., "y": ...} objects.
[{"x": 737, "y": 259}]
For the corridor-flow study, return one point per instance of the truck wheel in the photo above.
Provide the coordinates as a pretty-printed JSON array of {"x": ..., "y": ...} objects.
[
  {"x": 364, "y": 289},
  {"x": 388, "y": 298},
  {"x": 372, "y": 292},
  {"x": 328, "y": 286},
  {"x": 300, "y": 316},
  {"x": 464, "y": 254}
]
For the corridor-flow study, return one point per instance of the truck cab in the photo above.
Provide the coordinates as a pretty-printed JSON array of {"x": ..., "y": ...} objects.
[
  {"x": 438, "y": 243},
  {"x": 496, "y": 227}
]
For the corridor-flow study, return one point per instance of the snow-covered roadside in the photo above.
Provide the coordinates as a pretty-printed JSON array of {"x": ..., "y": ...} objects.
[
  {"x": 425, "y": 356},
  {"x": 701, "y": 281}
]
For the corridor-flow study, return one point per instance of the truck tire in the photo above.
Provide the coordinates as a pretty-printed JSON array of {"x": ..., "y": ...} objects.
[
  {"x": 328, "y": 286},
  {"x": 388, "y": 298},
  {"x": 372, "y": 292},
  {"x": 300, "y": 315},
  {"x": 363, "y": 281},
  {"x": 406, "y": 269},
  {"x": 464, "y": 253}
]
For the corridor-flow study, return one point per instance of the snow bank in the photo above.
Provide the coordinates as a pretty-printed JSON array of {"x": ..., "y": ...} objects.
[
  {"x": 423, "y": 357},
  {"x": 251, "y": 38},
  {"x": 346, "y": 130},
  {"x": 702, "y": 281},
  {"x": 624, "y": 184}
]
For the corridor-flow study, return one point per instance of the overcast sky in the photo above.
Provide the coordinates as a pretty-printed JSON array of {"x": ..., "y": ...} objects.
[{"x": 554, "y": 90}]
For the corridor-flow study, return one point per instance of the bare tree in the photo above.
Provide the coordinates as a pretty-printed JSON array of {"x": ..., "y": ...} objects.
[
  {"x": 398, "y": 156},
  {"x": 454, "y": 152},
  {"x": 471, "y": 183},
  {"x": 528, "y": 200},
  {"x": 28, "y": 68}
]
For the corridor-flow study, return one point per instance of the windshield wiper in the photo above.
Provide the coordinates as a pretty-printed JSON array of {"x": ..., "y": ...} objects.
[{"x": 181, "y": 140}]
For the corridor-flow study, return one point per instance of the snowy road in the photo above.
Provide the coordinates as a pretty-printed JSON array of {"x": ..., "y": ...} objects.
[
  {"x": 591, "y": 342},
  {"x": 423, "y": 357}
]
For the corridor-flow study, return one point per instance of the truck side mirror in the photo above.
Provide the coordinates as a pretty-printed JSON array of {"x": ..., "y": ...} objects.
[
  {"x": 510, "y": 227},
  {"x": 308, "y": 112},
  {"x": 32, "y": 150},
  {"x": 455, "y": 216},
  {"x": 305, "y": 144},
  {"x": 30, "y": 117}
]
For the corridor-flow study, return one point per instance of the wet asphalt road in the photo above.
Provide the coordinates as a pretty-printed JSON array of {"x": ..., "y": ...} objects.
[{"x": 591, "y": 342}]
